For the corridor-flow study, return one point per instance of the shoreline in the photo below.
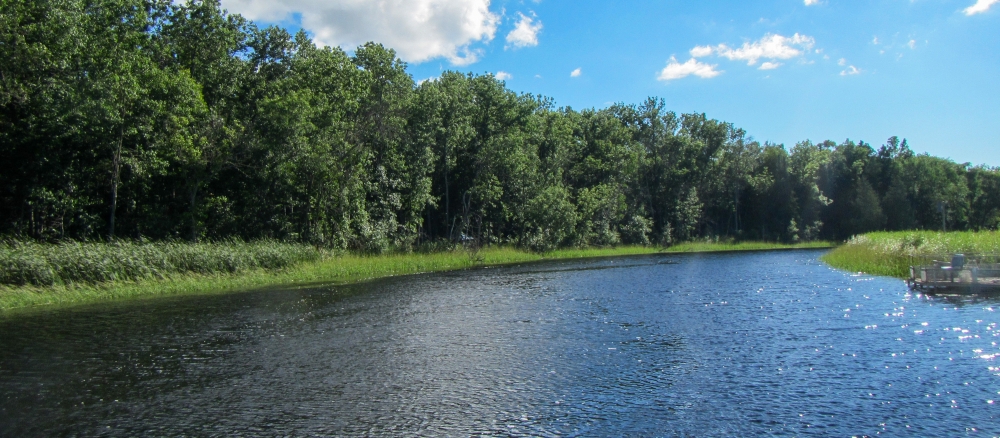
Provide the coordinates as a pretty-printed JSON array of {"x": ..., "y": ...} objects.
[
  {"x": 345, "y": 269},
  {"x": 891, "y": 253}
]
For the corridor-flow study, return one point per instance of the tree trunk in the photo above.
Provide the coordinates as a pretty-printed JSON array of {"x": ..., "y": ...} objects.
[
  {"x": 194, "y": 217},
  {"x": 447, "y": 199},
  {"x": 115, "y": 177},
  {"x": 736, "y": 209}
]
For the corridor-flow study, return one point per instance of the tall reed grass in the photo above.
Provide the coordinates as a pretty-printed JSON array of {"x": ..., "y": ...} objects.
[
  {"x": 892, "y": 253},
  {"x": 40, "y": 264},
  {"x": 328, "y": 268},
  {"x": 76, "y": 273}
]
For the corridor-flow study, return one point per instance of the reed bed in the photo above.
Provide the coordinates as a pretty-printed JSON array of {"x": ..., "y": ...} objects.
[
  {"x": 38, "y": 264},
  {"x": 46, "y": 275},
  {"x": 328, "y": 268},
  {"x": 892, "y": 253}
]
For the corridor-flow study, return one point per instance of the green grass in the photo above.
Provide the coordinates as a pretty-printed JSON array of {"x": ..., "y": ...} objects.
[
  {"x": 38, "y": 264},
  {"x": 301, "y": 265},
  {"x": 892, "y": 253}
]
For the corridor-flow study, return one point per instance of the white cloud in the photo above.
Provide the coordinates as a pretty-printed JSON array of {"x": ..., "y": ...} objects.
[
  {"x": 875, "y": 41},
  {"x": 503, "y": 76},
  {"x": 980, "y": 7},
  {"x": 842, "y": 62},
  {"x": 912, "y": 44},
  {"x": 418, "y": 30},
  {"x": 676, "y": 70},
  {"x": 851, "y": 70},
  {"x": 575, "y": 73},
  {"x": 701, "y": 51},
  {"x": 768, "y": 47},
  {"x": 525, "y": 33},
  {"x": 811, "y": 2}
]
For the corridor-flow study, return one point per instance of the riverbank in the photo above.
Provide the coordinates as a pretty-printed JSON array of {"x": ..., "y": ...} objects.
[
  {"x": 304, "y": 268},
  {"x": 892, "y": 253}
]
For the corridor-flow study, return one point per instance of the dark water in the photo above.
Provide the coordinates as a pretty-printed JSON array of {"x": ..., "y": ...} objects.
[{"x": 701, "y": 345}]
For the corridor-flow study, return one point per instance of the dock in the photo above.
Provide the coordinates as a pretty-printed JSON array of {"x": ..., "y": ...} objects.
[{"x": 975, "y": 275}]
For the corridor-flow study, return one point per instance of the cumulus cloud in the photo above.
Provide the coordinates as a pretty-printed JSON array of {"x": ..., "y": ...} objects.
[
  {"x": 418, "y": 30},
  {"x": 525, "y": 33},
  {"x": 851, "y": 70},
  {"x": 503, "y": 76},
  {"x": 980, "y": 7},
  {"x": 769, "y": 47},
  {"x": 811, "y": 2},
  {"x": 676, "y": 70},
  {"x": 575, "y": 73},
  {"x": 701, "y": 51}
]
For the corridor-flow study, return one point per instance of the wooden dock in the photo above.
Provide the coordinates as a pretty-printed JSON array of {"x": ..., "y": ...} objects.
[{"x": 959, "y": 276}]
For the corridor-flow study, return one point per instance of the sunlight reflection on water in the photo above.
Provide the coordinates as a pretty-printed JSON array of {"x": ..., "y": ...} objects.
[{"x": 707, "y": 345}]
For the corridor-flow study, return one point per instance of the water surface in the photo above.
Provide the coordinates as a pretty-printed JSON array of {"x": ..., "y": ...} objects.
[{"x": 764, "y": 343}]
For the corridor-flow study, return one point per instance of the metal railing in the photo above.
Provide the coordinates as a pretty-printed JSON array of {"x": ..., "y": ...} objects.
[{"x": 956, "y": 271}]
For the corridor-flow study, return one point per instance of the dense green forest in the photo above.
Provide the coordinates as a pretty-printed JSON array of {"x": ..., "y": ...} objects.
[{"x": 145, "y": 119}]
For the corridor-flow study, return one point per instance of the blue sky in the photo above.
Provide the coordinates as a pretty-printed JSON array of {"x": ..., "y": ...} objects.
[{"x": 783, "y": 70}]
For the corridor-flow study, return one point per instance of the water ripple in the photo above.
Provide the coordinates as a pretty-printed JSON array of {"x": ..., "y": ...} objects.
[{"x": 706, "y": 345}]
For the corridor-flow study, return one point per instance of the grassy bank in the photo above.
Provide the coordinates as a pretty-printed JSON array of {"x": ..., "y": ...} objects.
[
  {"x": 38, "y": 264},
  {"x": 143, "y": 271},
  {"x": 892, "y": 253}
]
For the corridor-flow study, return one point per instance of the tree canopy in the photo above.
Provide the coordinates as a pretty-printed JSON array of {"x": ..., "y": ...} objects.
[{"x": 154, "y": 119}]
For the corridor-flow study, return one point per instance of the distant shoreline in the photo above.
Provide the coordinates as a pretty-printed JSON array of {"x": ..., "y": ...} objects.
[{"x": 341, "y": 269}]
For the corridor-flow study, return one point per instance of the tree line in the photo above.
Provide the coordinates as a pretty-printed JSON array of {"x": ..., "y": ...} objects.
[{"x": 154, "y": 120}]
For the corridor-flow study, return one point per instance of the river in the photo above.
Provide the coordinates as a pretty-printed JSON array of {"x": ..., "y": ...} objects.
[{"x": 760, "y": 343}]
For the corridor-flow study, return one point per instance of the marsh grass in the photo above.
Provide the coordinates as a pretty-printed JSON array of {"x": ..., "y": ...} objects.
[
  {"x": 892, "y": 253},
  {"x": 244, "y": 266},
  {"x": 39, "y": 264}
]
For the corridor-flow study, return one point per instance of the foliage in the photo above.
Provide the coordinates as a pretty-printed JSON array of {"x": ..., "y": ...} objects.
[{"x": 161, "y": 120}]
